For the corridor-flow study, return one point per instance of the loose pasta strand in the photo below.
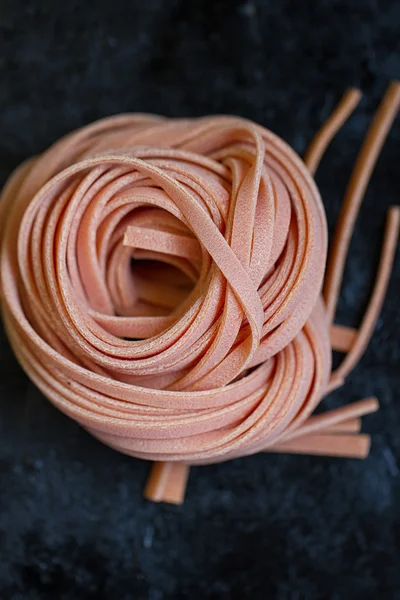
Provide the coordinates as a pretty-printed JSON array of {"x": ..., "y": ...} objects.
[
  {"x": 330, "y": 128},
  {"x": 371, "y": 315}
]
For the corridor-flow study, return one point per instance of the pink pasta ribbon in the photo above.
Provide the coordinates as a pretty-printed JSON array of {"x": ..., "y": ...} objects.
[{"x": 161, "y": 284}]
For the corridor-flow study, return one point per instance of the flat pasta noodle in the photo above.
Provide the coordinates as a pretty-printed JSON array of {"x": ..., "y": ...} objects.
[{"x": 161, "y": 284}]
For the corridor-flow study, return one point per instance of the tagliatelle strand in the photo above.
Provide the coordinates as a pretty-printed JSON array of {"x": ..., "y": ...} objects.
[{"x": 329, "y": 129}]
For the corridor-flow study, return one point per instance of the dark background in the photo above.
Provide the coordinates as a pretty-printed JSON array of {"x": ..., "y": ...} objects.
[{"x": 72, "y": 518}]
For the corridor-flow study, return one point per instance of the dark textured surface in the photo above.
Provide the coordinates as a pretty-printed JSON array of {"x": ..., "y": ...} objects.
[{"x": 73, "y": 523}]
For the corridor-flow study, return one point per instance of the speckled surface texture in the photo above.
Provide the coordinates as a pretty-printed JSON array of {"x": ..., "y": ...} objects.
[{"x": 73, "y": 523}]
